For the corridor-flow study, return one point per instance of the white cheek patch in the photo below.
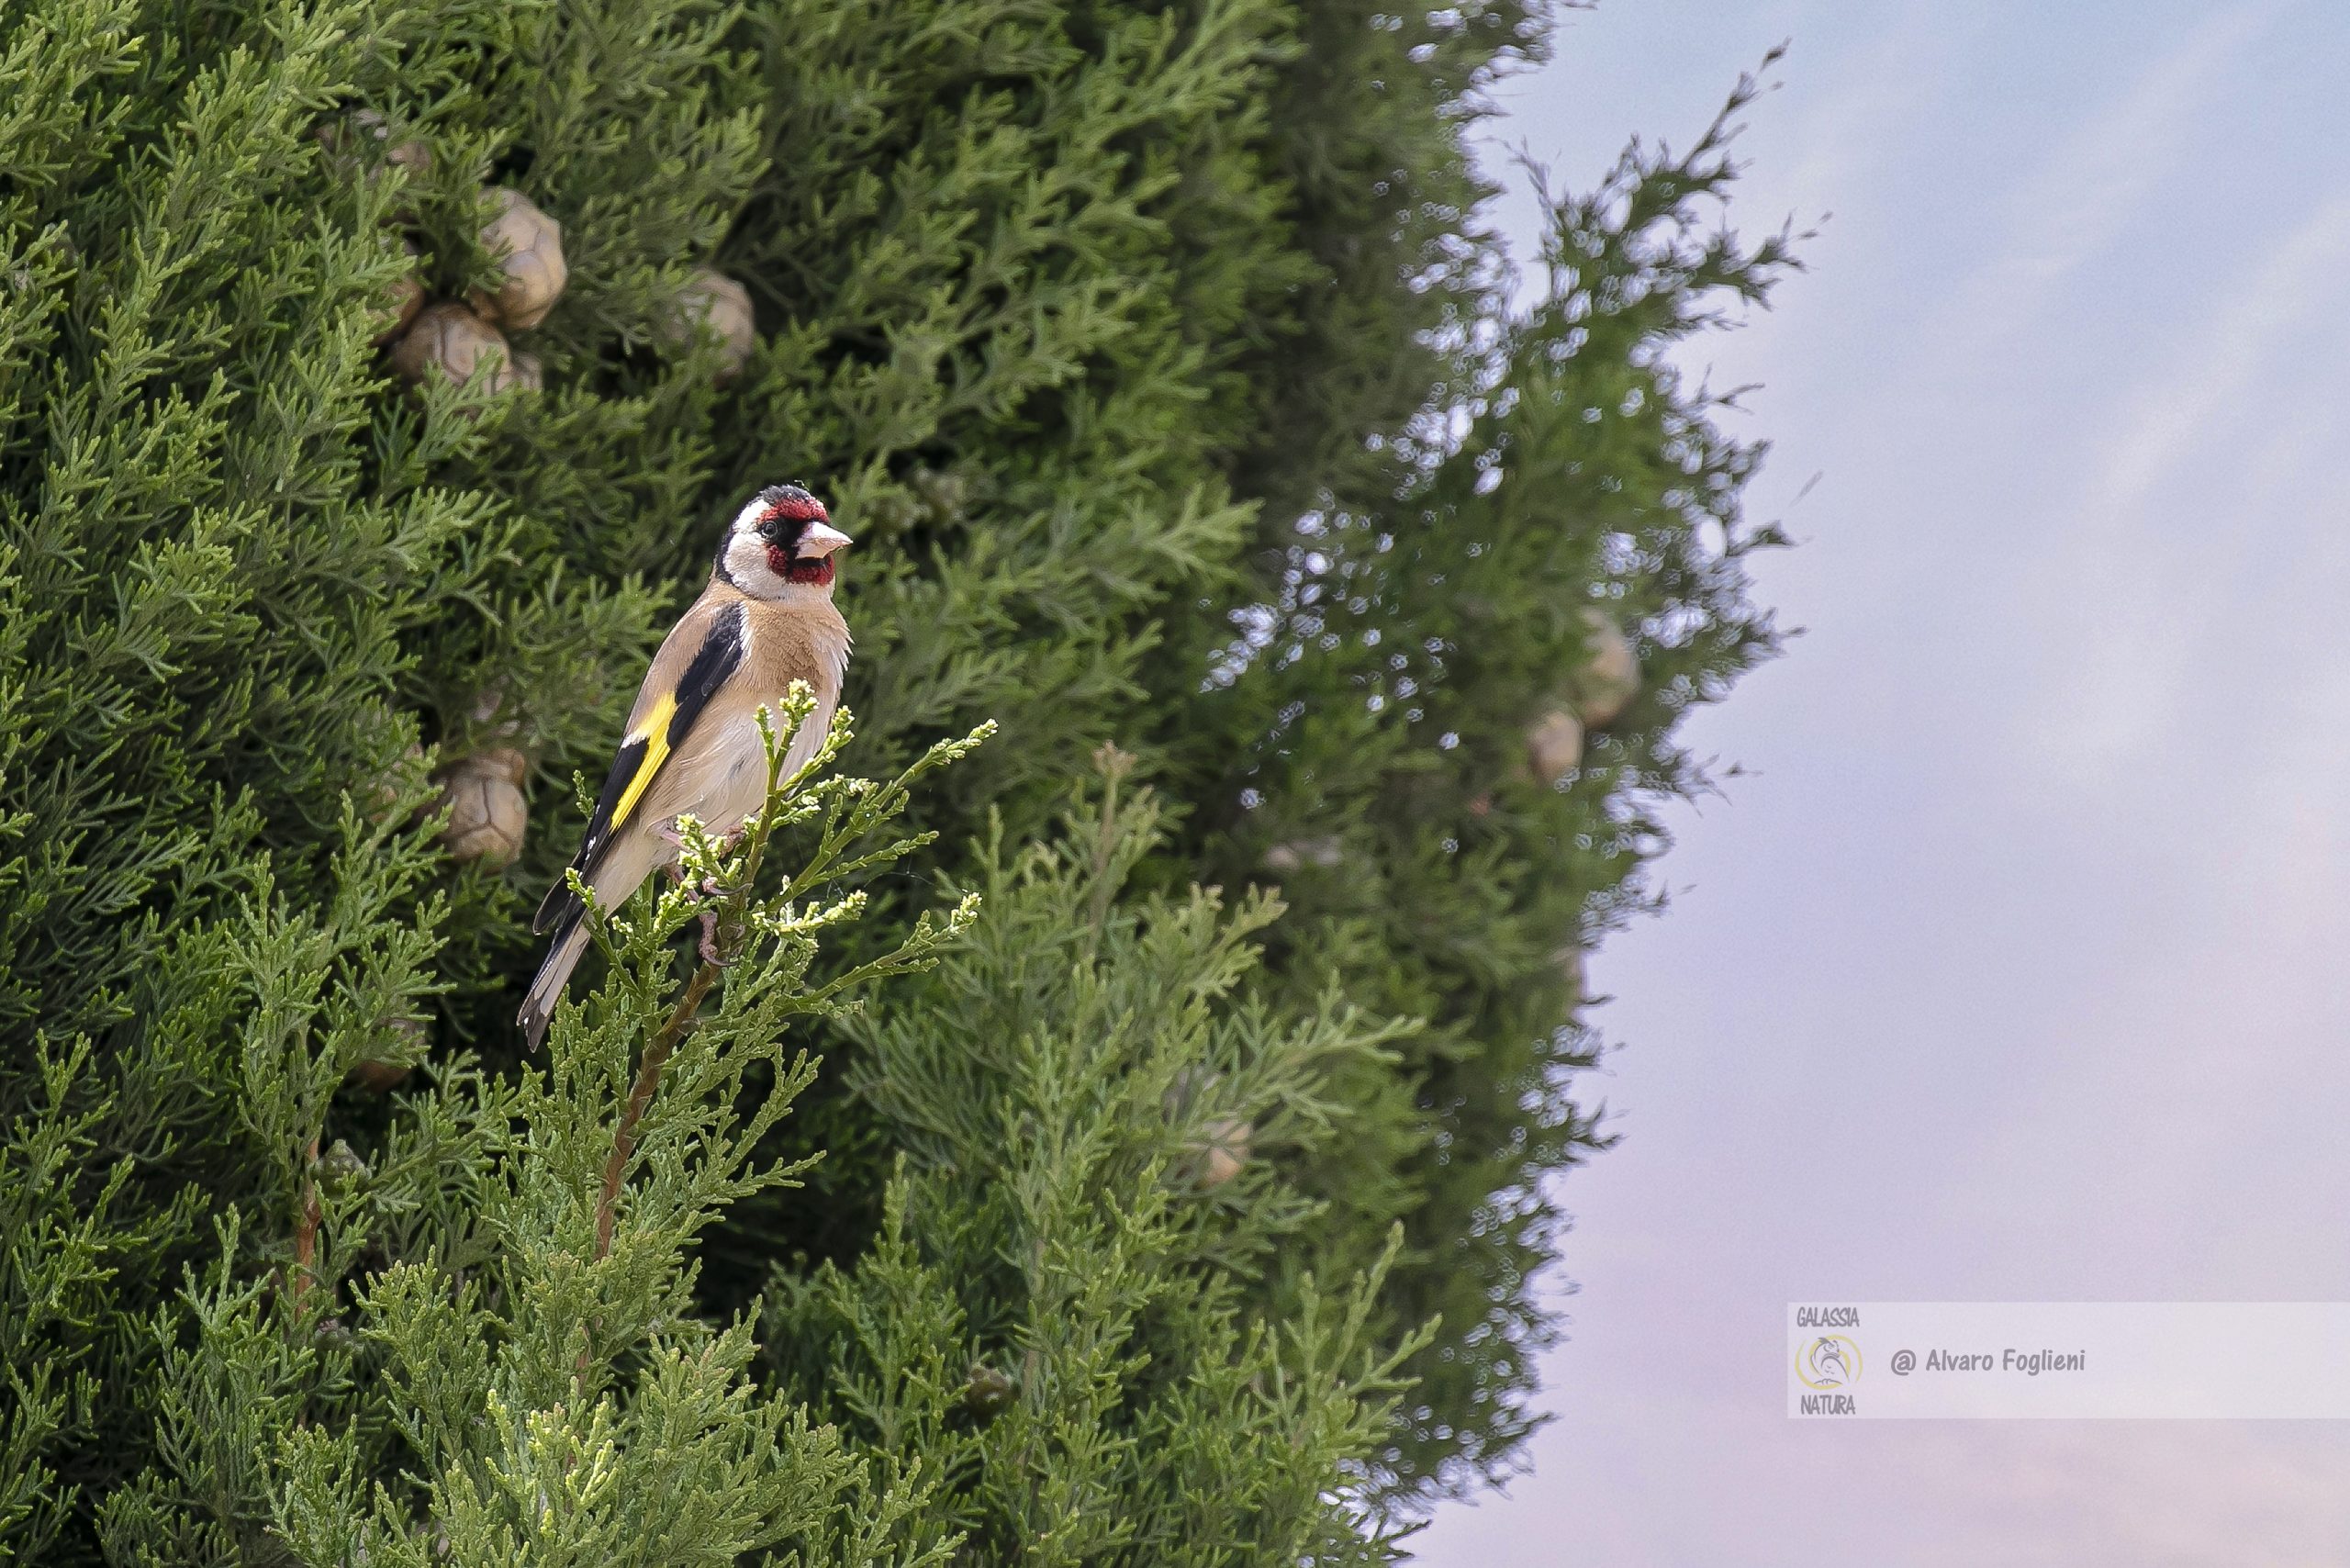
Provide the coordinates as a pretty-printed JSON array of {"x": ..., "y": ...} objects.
[{"x": 746, "y": 563}]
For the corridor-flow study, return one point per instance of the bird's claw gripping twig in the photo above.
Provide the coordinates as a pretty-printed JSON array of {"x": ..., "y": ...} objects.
[
  {"x": 727, "y": 842},
  {"x": 709, "y": 954}
]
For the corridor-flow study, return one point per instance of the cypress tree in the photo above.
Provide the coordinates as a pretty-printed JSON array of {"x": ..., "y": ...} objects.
[{"x": 1125, "y": 1143}]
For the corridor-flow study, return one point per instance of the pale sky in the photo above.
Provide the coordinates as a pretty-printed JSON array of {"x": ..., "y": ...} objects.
[{"x": 2018, "y": 968}]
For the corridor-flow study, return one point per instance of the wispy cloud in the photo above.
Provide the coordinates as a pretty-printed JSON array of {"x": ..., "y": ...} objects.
[
  {"x": 2100, "y": 177},
  {"x": 2194, "y": 411}
]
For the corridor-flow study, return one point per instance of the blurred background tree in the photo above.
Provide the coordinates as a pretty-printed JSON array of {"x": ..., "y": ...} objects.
[{"x": 374, "y": 377}]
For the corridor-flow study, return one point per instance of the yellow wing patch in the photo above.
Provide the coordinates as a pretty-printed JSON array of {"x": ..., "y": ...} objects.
[{"x": 655, "y": 735}]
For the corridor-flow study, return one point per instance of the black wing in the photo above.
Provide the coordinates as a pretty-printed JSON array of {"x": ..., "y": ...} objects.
[{"x": 666, "y": 724}]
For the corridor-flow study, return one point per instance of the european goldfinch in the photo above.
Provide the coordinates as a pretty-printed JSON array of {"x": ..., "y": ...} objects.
[{"x": 693, "y": 745}]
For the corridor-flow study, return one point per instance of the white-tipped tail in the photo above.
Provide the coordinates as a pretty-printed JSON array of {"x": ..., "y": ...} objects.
[
  {"x": 623, "y": 870},
  {"x": 547, "y": 989}
]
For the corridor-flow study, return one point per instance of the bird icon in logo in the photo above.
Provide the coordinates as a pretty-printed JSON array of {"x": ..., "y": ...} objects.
[{"x": 1830, "y": 1361}]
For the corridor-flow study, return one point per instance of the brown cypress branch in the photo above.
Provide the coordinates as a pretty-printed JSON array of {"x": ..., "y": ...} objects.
[
  {"x": 305, "y": 1224},
  {"x": 1115, "y": 765},
  {"x": 639, "y": 1100}
]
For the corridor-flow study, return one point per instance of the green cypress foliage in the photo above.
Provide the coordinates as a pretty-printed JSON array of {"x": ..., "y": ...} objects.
[{"x": 1178, "y": 1200}]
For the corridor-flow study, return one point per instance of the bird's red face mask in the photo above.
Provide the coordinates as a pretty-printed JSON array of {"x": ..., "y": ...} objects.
[
  {"x": 800, "y": 540},
  {"x": 783, "y": 539}
]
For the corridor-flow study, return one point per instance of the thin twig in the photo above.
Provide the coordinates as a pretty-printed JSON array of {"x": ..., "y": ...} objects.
[
  {"x": 1115, "y": 765},
  {"x": 305, "y": 1224},
  {"x": 639, "y": 1100}
]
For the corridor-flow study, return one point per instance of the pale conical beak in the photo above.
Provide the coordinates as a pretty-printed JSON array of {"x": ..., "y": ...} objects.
[{"x": 821, "y": 539}]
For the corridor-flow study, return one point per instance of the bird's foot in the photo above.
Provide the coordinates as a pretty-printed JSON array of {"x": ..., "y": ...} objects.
[
  {"x": 709, "y": 954},
  {"x": 727, "y": 842}
]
